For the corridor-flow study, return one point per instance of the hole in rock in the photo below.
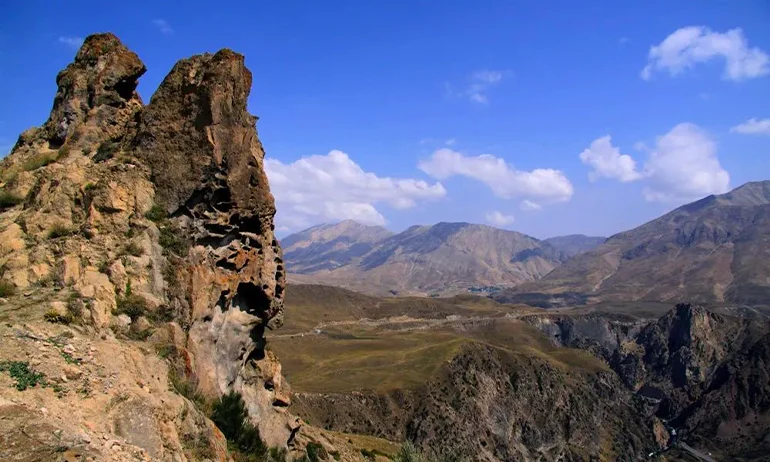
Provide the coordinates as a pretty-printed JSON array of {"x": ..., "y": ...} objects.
[
  {"x": 224, "y": 263},
  {"x": 258, "y": 337},
  {"x": 125, "y": 88},
  {"x": 222, "y": 302},
  {"x": 251, "y": 299}
]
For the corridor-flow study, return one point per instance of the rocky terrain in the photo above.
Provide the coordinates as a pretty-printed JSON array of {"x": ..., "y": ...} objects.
[
  {"x": 446, "y": 258},
  {"x": 139, "y": 270},
  {"x": 499, "y": 382},
  {"x": 713, "y": 250}
]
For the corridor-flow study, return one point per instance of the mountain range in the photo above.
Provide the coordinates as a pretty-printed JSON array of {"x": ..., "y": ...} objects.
[
  {"x": 442, "y": 258},
  {"x": 713, "y": 250}
]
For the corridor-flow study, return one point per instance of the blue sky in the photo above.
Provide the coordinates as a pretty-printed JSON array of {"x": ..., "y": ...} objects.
[{"x": 414, "y": 112}]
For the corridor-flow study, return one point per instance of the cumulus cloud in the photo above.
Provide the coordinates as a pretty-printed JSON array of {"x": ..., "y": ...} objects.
[
  {"x": 163, "y": 26},
  {"x": 693, "y": 45},
  {"x": 684, "y": 166},
  {"x": 72, "y": 42},
  {"x": 499, "y": 219},
  {"x": 477, "y": 88},
  {"x": 753, "y": 127},
  {"x": 544, "y": 185},
  {"x": 529, "y": 206},
  {"x": 607, "y": 161},
  {"x": 333, "y": 187}
]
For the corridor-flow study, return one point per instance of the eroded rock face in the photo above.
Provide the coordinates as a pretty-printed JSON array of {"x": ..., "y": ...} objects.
[
  {"x": 207, "y": 167},
  {"x": 85, "y": 181}
]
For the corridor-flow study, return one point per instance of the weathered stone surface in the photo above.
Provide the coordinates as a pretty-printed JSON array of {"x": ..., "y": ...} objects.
[{"x": 207, "y": 168}]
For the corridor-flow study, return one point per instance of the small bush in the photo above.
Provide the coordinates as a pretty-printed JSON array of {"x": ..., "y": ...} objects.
[
  {"x": 7, "y": 289},
  {"x": 134, "y": 249},
  {"x": 59, "y": 230},
  {"x": 57, "y": 318},
  {"x": 230, "y": 415},
  {"x": 188, "y": 388},
  {"x": 64, "y": 151},
  {"x": 8, "y": 200},
  {"x": 86, "y": 151},
  {"x": 140, "y": 335},
  {"x": 173, "y": 241},
  {"x": 105, "y": 151},
  {"x": 156, "y": 214},
  {"x": 132, "y": 305},
  {"x": 25, "y": 376},
  {"x": 75, "y": 306},
  {"x": 90, "y": 186},
  {"x": 315, "y": 452}
]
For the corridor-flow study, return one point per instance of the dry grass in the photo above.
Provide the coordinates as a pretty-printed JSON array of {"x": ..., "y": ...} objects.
[{"x": 379, "y": 361}]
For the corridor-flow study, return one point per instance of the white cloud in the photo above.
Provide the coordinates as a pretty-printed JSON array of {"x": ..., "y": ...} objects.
[
  {"x": 333, "y": 188},
  {"x": 163, "y": 26},
  {"x": 72, "y": 42},
  {"x": 499, "y": 219},
  {"x": 529, "y": 206},
  {"x": 478, "y": 86},
  {"x": 546, "y": 185},
  {"x": 689, "y": 46},
  {"x": 753, "y": 127},
  {"x": 684, "y": 166},
  {"x": 607, "y": 161},
  {"x": 450, "y": 141}
]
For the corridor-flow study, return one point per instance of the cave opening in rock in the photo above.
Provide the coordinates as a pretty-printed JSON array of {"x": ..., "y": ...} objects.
[{"x": 250, "y": 298}]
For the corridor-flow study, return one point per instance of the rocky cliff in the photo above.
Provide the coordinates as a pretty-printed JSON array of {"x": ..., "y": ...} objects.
[{"x": 128, "y": 230}]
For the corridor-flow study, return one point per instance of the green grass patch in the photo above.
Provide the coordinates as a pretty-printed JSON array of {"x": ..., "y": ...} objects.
[{"x": 23, "y": 374}]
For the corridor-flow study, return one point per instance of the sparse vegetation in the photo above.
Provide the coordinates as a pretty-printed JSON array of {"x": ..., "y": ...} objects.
[
  {"x": 64, "y": 151},
  {"x": 131, "y": 304},
  {"x": 187, "y": 387},
  {"x": 59, "y": 230},
  {"x": 156, "y": 214},
  {"x": 8, "y": 200},
  {"x": 39, "y": 160},
  {"x": 58, "y": 318},
  {"x": 7, "y": 289},
  {"x": 23, "y": 374},
  {"x": 89, "y": 186},
  {"x": 172, "y": 241},
  {"x": 106, "y": 151},
  {"x": 133, "y": 249},
  {"x": 230, "y": 415}
]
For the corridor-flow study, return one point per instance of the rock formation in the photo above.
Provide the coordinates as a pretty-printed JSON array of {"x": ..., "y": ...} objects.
[{"x": 132, "y": 221}]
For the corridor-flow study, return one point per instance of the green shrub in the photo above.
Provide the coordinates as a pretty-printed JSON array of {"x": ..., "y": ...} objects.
[
  {"x": 25, "y": 376},
  {"x": 86, "y": 151},
  {"x": 315, "y": 452},
  {"x": 59, "y": 230},
  {"x": 7, "y": 289},
  {"x": 156, "y": 214},
  {"x": 230, "y": 415},
  {"x": 173, "y": 242},
  {"x": 57, "y": 318},
  {"x": 131, "y": 304},
  {"x": 8, "y": 200},
  {"x": 89, "y": 186},
  {"x": 106, "y": 151}
]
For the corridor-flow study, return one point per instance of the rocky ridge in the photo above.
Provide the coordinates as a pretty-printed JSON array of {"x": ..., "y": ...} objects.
[{"x": 122, "y": 222}]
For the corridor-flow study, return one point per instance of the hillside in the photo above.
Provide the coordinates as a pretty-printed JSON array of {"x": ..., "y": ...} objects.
[
  {"x": 451, "y": 374},
  {"x": 442, "y": 258},
  {"x": 326, "y": 247},
  {"x": 712, "y": 250}
]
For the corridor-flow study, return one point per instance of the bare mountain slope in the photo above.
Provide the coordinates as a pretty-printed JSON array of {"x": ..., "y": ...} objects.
[
  {"x": 326, "y": 247},
  {"x": 712, "y": 250},
  {"x": 445, "y": 258},
  {"x": 575, "y": 244}
]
